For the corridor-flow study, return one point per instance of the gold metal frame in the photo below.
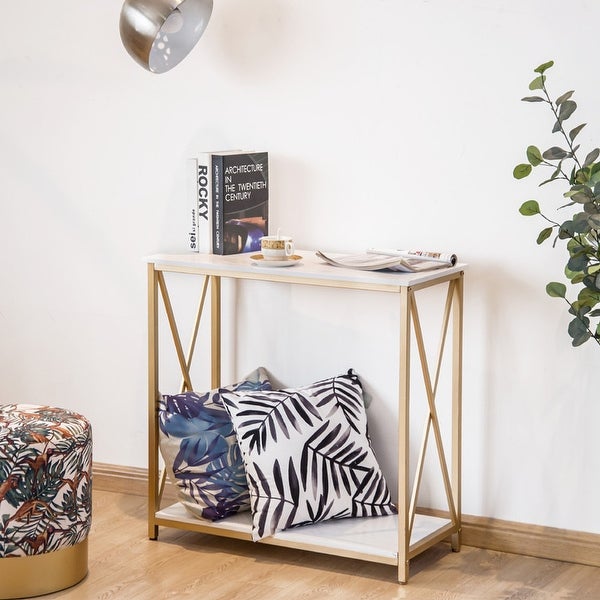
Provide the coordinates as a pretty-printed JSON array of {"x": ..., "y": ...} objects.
[
  {"x": 410, "y": 331},
  {"x": 407, "y": 498},
  {"x": 27, "y": 576}
]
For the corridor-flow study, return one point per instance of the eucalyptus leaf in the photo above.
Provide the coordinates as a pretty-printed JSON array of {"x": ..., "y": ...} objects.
[
  {"x": 548, "y": 181},
  {"x": 534, "y": 156},
  {"x": 566, "y": 205},
  {"x": 565, "y": 231},
  {"x": 566, "y": 110},
  {"x": 579, "y": 189},
  {"x": 575, "y": 246},
  {"x": 533, "y": 99},
  {"x": 581, "y": 177},
  {"x": 582, "y": 311},
  {"x": 573, "y": 133},
  {"x": 594, "y": 220},
  {"x": 558, "y": 172},
  {"x": 580, "y": 198},
  {"x": 577, "y": 264},
  {"x": 594, "y": 179},
  {"x": 521, "y": 171},
  {"x": 544, "y": 235},
  {"x": 577, "y": 328},
  {"x": 579, "y": 340},
  {"x": 555, "y": 153},
  {"x": 537, "y": 83},
  {"x": 592, "y": 282},
  {"x": 556, "y": 290},
  {"x": 591, "y": 157},
  {"x": 581, "y": 223},
  {"x": 529, "y": 208},
  {"x": 544, "y": 67},
  {"x": 564, "y": 97},
  {"x": 588, "y": 298}
]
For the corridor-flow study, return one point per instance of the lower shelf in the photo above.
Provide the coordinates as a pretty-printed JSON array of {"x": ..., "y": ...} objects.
[{"x": 372, "y": 538}]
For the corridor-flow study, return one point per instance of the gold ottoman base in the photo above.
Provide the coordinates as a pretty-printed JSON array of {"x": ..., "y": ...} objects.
[{"x": 25, "y": 576}]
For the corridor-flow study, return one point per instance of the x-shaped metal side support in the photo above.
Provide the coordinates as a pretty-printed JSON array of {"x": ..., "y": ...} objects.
[{"x": 407, "y": 500}]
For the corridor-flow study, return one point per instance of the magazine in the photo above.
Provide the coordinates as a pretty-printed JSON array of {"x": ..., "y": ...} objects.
[{"x": 406, "y": 261}]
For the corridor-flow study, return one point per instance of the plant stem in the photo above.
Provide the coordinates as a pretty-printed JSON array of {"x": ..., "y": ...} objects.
[
  {"x": 564, "y": 176},
  {"x": 567, "y": 138}
]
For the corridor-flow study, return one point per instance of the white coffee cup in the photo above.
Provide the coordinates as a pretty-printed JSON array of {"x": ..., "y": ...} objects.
[{"x": 276, "y": 247}]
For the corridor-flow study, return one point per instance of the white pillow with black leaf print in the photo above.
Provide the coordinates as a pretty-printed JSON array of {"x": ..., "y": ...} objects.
[{"x": 307, "y": 455}]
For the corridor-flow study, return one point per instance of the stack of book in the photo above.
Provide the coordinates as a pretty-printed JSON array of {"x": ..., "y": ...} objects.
[{"x": 229, "y": 201}]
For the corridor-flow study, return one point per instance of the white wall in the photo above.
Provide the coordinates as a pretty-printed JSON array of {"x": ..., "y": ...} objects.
[{"x": 390, "y": 122}]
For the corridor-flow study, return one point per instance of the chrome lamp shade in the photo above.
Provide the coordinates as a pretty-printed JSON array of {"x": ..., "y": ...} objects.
[{"x": 159, "y": 34}]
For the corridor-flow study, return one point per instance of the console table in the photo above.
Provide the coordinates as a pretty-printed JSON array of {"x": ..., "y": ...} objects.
[{"x": 391, "y": 540}]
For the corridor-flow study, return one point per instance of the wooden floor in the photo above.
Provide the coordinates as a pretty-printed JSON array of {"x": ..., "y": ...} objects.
[{"x": 125, "y": 565}]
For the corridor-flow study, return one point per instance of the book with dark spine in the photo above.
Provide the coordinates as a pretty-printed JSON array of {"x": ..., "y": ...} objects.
[{"x": 240, "y": 189}]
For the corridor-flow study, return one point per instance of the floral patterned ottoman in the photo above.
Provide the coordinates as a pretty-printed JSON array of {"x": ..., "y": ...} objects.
[{"x": 45, "y": 499}]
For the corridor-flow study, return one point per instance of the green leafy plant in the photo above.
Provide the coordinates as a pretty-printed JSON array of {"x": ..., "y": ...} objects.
[{"x": 581, "y": 231}]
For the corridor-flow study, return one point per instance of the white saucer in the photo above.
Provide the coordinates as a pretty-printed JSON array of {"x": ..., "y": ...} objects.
[{"x": 258, "y": 260}]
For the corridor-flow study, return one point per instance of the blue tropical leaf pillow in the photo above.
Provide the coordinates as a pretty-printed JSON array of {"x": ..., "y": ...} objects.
[
  {"x": 200, "y": 450},
  {"x": 308, "y": 455}
]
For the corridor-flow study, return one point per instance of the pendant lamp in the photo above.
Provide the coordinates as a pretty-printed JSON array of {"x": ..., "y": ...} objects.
[{"x": 159, "y": 34}]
